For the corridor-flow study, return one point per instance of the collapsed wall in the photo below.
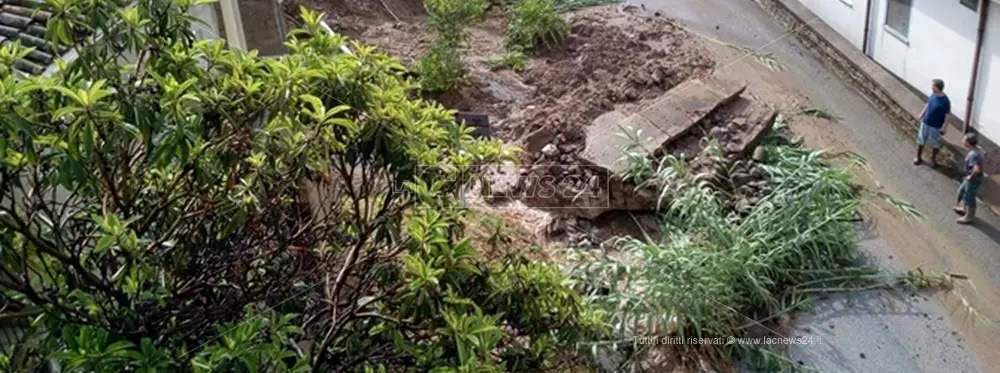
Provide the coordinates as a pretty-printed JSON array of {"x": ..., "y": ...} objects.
[{"x": 588, "y": 181}]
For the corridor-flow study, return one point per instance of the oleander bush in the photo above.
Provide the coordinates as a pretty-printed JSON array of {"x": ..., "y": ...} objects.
[{"x": 205, "y": 210}]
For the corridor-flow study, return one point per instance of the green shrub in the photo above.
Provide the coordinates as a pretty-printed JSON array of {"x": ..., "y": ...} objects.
[
  {"x": 441, "y": 68},
  {"x": 514, "y": 60},
  {"x": 449, "y": 18},
  {"x": 534, "y": 24},
  {"x": 203, "y": 210}
]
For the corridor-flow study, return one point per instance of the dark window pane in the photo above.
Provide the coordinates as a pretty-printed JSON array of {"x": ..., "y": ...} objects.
[
  {"x": 263, "y": 26},
  {"x": 898, "y": 16}
]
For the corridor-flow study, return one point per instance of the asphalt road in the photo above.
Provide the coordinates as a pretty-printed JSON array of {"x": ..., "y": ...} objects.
[{"x": 874, "y": 331}]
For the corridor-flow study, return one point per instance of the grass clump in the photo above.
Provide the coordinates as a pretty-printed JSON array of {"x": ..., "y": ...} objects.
[
  {"x": 534, "y": 24},
  {"x": 514, "y": 60},
  {"x": 441, "y": 69},
  {"x": 569, "y": 5},
  {"x": 714, "y": 273}
]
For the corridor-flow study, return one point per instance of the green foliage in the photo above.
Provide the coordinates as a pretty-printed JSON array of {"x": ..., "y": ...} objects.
[
  {"x": 448, "y": 18},
  {"x": 534, "y": 24},
  {"x": 441, "y": 68},
  {"x": 514, "y": 60},
  {"x": 715, "y": 271},
  {"x": 569, "y": 5},
  {"x": 204, "y": 210}
]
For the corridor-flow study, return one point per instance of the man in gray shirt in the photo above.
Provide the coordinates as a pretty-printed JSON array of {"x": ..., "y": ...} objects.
[{"x": 973, "y": 171}]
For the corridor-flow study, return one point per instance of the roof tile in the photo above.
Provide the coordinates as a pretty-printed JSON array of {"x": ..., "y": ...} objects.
[{"x": 24, "y": 20}]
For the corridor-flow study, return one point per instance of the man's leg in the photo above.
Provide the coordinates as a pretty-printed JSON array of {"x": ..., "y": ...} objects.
[
  {"x": 959, "y": 200},
  {"x": 970, "y": 201},
  {"x": 921, "y": 139},
  {"x": 935, "y": 140}
]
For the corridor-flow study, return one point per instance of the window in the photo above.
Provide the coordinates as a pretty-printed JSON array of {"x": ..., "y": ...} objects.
[
  {"x": 208, "y": 27},
  {"x": 263, "y": 26},
  {"x": 897, "y": 17},
  {"x": 971, "y": 4}
]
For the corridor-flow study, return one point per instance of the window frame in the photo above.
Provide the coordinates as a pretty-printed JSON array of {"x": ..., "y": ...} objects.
[
  {"x": 974, "y": 6},
  {"x": 895, "y": 30}
]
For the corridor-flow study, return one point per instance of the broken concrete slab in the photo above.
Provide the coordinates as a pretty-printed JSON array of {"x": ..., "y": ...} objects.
[
  {"x": 662, "y": 122},
  {"x": 605, "y": 144},
  {"x": 760, "y": 120}
]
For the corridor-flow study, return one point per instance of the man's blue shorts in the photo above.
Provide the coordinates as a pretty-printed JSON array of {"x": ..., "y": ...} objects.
[
  {"x": 967, "y": 191},
  {"x": 929, "y": 136}
]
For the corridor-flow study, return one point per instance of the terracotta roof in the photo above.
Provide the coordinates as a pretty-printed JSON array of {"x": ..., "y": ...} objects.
[{"x": 25, "y": 21}]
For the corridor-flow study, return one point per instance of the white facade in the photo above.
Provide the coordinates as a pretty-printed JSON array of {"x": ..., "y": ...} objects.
[
  {"x": 919, "y": 40},
  {"x": 940, "y": 43},
  {"x": 986, "y": 117},
  {"x": 847, "y": 17}
]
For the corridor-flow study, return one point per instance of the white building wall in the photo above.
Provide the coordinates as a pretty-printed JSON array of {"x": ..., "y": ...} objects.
[
  {"x": 986, "y": 117},
  {"x": 940, "y": 44},
  {"x": 847, "y": 17}
]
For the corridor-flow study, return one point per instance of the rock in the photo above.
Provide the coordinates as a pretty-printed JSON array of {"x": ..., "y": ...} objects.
[
  {"x": 740, "y": 178},
  {"x": 733, "y": 147},
  {"x": 657, "y": 77},
  {"x": 759, "y": 153},
  {"x": 718, "y": 132},
  {"x": 556, "y": 227},
  {"x": 550, "y": 150},
  {"x": 538, "y": 139},
  {"x": 631, "y": 94},
  {"x": 503, "y": 182},
  {"x": 739, "y": 122},
  {"x": 742, "y": 204}
]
